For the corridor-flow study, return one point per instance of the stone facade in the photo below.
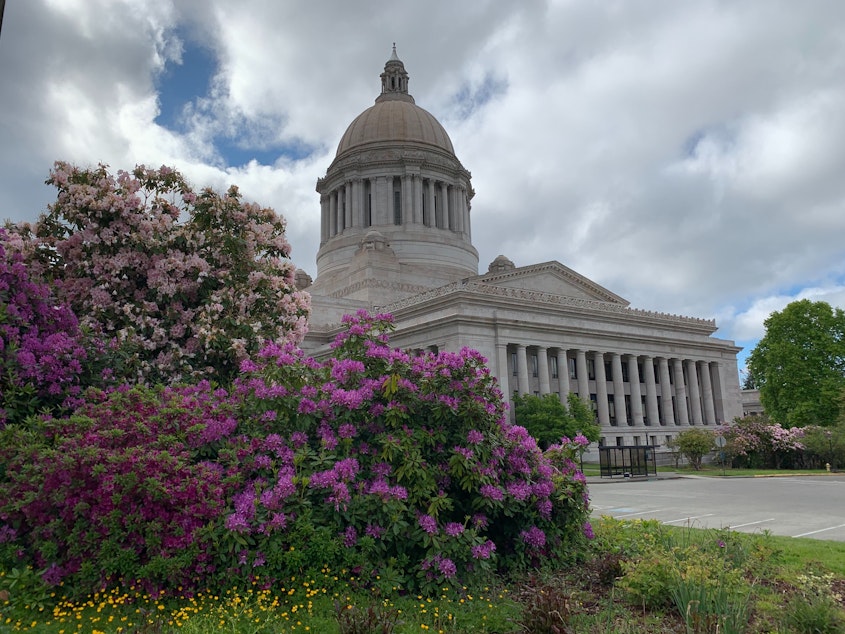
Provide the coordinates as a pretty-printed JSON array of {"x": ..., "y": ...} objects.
[{"x": 395, "y": 237}]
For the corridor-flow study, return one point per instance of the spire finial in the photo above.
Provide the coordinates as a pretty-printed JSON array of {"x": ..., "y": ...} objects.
[{"x": 394, "y": 57}]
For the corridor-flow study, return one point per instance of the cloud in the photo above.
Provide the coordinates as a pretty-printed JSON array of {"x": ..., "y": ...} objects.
[{"x": 687, "y": 156}]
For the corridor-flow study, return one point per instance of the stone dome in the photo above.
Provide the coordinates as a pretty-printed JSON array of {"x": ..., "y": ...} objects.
[{"x": 395, "y": 121}]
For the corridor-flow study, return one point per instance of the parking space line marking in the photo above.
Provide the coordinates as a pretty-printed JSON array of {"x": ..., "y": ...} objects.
[
  {"x": 640, "y": 513},
  {"x": 821, "y": 530},
  {"x": 771, "y": 519},
  {"x": 686, "y": 519}
]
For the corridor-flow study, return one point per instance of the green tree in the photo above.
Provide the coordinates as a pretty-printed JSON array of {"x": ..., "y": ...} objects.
[
  {"x": 548, "y": 419},
  {"x": 694, "y": 444},
  {"x": 799, "y": 364}
]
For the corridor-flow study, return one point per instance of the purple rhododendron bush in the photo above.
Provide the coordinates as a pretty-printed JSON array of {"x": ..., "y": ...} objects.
[
  {"x": 42, "y": 349},
  {"x": 400, "y": 469}
]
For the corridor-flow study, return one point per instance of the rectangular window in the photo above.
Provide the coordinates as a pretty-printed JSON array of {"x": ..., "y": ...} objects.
[
  {"x": 594, "y": 403},
  {"x": 601, "y": 441},
  {"x": 397, "y": 208},
  {"x": 554, "y": 367},
  {"x": 656, "y": 374},
  {"x": 571, "y": 363},
  {"x": 654, "y": 441},
  {"x": 620, "y": 441},
  {"x": 628, "y": 418},
  {"x": 369, "y": 219},
  {"x": 535, "y": 365},
  {"x": 636, "y": 441},
  {"x": 624, "y": 372},
  {"x": 514, "y": 364},
  {"x": 660, "y": 415},
  {"x": 640, "y": 371},
  {"x": 591, "y": 369},
  {"x": 611, "y": 411},
  {"x": 644, "y": 410},
  {"x": 536, "y": 393}
]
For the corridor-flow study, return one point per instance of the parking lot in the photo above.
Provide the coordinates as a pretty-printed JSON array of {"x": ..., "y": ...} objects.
[{"x": 811, "y": 506}]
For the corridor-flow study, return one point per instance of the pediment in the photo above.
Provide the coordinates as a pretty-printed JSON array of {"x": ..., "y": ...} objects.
[{"x": 553, "y": 278}]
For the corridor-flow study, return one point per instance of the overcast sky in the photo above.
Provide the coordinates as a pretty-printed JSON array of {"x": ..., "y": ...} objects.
[{"x": 689, "y": 156}]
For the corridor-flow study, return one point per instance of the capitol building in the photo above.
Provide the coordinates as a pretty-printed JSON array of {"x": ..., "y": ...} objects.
[{"x": 395, "y": 236}]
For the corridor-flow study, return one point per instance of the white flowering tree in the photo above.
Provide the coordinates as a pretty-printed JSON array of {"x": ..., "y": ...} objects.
[{"x": 183, "y": 284}]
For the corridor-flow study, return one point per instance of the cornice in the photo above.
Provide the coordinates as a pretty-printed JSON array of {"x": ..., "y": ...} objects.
[
  {"x": 376, "y": 283},
  {"x": 540, "y": 297}
]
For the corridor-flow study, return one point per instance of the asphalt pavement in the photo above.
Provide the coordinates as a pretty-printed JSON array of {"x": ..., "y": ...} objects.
[{"x": 794, "y": 506}]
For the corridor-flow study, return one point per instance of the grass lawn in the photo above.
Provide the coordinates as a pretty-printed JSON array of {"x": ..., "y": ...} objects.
[{"x": 779, "y": 584}]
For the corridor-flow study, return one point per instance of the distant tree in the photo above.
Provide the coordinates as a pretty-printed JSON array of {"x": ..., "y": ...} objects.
[
  {"x": 799, "y": 364},
  {"x": 548, "y": 419},
  {"x": 749, "y": 381},
  {"x": 187, "y": 284},
  {"x": 694, "y": 444}
]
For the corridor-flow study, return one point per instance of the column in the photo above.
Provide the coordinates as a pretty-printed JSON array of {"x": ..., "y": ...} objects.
[
  {"x": 324, "y": 218},
  {"x": 651, "y": 411},
  {"x": 717, "y": 380},
  {"x": 581, "y": 375},
  {"x": 502, "y": 373},
  {"x": 333, "y": 213},
  {"x": 707, "y": 394},
  {"x": 682, "y": 416},
  {"x": 563, "y": 374},
  {"x": 444, "y": 204},
  {"x": 357, "y": 204},
  {"x": 694, "y": 393},
  {"x": 430, "y": 193},
  {"x": 543, "y": 363},
  {"x": 407, "y": 199},
  {"x": 665, "y": 391},
  {"x": 522, "y": 369},
  {"x": 618, "y": 389},
  {"x": 381, "y": 200},
  {"x": 418, "y": 196},
  {"x": 601, "y": 390},
  {"x": 636, "y": 394},
  {"x": 347, "y": 196}
]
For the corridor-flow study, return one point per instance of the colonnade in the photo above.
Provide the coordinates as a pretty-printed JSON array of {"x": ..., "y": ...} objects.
[
  {"x": 626, "y": 390},
  {"x": 394, "y": 200}
]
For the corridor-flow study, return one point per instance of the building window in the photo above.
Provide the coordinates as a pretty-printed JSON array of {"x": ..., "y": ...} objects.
[
  {"x": 591, "y": 369},
  {"x": 668, "y": 439},
  {"x": 611, "y": 410},
  {"x": 628, "y": 418},
  {"x": 625, "y": 376},
  {"x": 425, "y": 208},
  {"x": 656, "y": 374},
  {"x": 594, "y": 404},
  {"x": 654, "y": 441},
  {"x": 601, "y": 441},
  {"x": 636, "y": 441},
  {"x": 640, "y": 371},
  {"x": 514, "y": 364},
  {"x": 620, "y": 441},
  {"x": 368, "y": 221},
  {"x": 571, "y": 363},
  {"x": 644, "y": 410},
  {"x": 553, "y": 361},
  {"x": 535, "y": 365},
  {"x": 536, "y": 393},
  {"x": 397, "y": 207},
  {"x": 660, "y": 415}
]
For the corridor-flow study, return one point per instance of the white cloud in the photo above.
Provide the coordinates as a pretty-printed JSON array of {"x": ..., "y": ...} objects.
[{"x": 688, "y": 156}]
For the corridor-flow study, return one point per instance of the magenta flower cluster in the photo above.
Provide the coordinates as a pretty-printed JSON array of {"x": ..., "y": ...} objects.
[
  {"x": 42, "y": 350},
  {"x": 197, "y": 484}
]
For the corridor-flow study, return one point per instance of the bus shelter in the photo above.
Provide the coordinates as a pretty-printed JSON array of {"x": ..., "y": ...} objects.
[{"x": 627, "y": 462}]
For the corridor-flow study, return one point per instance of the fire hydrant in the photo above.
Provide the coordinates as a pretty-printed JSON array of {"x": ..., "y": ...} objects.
[{"x": 827, "y": 466}]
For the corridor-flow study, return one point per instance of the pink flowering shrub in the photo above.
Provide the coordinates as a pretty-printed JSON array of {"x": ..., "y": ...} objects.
[
  {"x": 398, "y": 467},
  {"x": 754, "y": 441},
  {"x": 42, "y": 350},
  {"x": 188, "y": 284}
]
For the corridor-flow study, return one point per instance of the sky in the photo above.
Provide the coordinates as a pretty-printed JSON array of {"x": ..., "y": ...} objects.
[{"x": 688, "y": 156}]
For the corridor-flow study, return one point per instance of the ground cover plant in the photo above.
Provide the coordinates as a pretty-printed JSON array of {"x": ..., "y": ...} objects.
[{"x": 793, "y": 586}]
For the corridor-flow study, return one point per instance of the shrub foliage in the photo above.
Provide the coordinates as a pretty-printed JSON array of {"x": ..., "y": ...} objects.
[{"x": 401, "y": 467}]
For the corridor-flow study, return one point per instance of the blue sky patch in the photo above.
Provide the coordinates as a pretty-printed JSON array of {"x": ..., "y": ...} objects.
[
  {"x": 182, "y": 84},
  {"x": 471, "y": 98}
]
